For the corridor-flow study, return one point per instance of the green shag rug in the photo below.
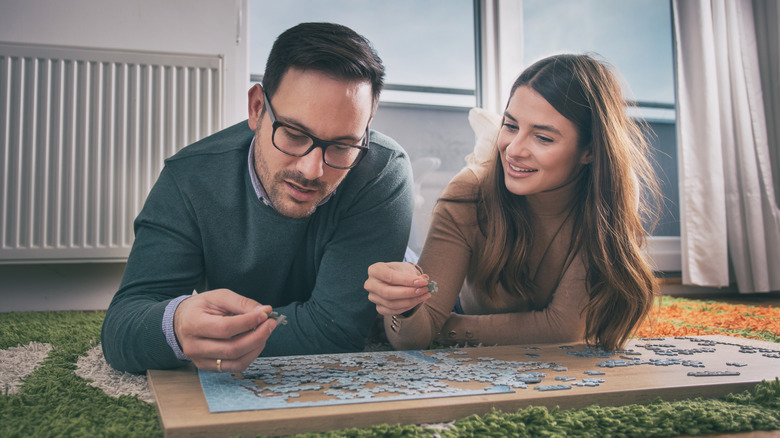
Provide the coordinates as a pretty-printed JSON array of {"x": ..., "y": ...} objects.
[{"x": 53, "y": 382}]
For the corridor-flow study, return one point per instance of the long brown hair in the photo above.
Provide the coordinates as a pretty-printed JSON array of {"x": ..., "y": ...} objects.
[{"x": 609, "y": 209}]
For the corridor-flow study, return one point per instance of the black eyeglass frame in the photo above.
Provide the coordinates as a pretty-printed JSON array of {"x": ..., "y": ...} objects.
[{"x": 315, "y": 142}]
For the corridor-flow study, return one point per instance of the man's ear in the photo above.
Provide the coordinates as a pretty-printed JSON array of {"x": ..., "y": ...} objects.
[{"x": 256, "y": 102}]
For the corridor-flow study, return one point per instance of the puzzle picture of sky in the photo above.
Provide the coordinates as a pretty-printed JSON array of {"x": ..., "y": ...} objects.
[{"x": 319, "y": 380}]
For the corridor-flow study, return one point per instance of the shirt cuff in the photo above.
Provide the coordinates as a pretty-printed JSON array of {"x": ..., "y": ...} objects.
[{"x": 167, "y": 326}]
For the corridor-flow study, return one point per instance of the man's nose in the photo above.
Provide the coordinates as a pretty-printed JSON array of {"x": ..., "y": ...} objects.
[{"x": 311, "y": 164}]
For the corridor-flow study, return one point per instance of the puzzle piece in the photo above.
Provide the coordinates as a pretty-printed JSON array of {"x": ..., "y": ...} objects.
[
  {"x": 431, "y": 285},
  {"x": 280, "y": 319},
  {"x": 551, "y": 387},
  {"x": 713, "y": 373}
]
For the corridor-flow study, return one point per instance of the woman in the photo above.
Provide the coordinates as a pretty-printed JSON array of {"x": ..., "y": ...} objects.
[{"x": 543, "y": 242}]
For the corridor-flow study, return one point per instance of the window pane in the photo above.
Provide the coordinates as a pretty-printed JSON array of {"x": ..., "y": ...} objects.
[
  {"x": 635, "y": 36},
  {"x": 423, "y": 43}
]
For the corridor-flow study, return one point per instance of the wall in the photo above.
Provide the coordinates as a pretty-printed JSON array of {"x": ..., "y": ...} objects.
[
  {"x": 178, "y": 26},
  {"x": 171, "y": 26},
  {"x": 426, "y": 131}
]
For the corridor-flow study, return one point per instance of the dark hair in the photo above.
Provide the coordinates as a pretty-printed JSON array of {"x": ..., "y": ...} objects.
[{"x": 330, "y": 48}]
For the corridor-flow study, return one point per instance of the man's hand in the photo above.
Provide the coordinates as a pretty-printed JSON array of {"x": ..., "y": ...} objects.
[
  {"x": 395, "y": 287},
  {"x": 222, "y": 325}
]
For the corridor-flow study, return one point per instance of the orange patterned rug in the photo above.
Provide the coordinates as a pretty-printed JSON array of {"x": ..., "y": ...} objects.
[{"x": 689, "y": 317}]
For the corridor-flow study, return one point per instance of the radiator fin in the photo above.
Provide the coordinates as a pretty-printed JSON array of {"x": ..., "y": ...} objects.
[{"x": 84, "y": 134}]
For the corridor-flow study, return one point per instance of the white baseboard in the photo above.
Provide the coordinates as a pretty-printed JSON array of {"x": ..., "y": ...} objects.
[
  {"x": 61, "y": 286},
  {"x": 665, "y": 253}
]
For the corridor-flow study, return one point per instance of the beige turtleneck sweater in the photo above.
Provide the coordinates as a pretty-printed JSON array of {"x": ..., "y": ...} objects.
[{"x": 450, "y": 258}]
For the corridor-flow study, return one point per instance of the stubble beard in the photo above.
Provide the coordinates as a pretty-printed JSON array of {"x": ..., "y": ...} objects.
[{"x": 275, "y": 186}]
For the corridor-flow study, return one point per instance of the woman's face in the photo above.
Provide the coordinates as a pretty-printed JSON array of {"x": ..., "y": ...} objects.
[{"x": 538, "y": 145}]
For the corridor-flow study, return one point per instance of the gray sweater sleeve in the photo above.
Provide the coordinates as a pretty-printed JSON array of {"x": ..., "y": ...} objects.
[{"x": 132, "y": 336}]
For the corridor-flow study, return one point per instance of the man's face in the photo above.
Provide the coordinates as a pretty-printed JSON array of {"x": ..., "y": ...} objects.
[{"x": 324, "y": 107}]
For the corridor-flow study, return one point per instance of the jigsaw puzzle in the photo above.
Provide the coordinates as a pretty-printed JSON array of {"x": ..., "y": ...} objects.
[
  {"x": 321, "y": 380},
  {"x": 297, "y": 394}
]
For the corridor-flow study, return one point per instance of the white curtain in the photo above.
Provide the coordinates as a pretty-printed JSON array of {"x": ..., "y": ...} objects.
[{"x": 728, "y": 212}]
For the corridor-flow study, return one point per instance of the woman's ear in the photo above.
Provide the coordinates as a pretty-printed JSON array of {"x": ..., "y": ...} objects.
[
  {"x": 587, "y": 156},
  {"x": 256, "y": 104}
]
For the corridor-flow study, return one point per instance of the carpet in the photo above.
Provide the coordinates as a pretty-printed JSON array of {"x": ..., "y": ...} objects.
[
  {"x": 54, "y": 382},
  {"x": 686, "y": 317}
]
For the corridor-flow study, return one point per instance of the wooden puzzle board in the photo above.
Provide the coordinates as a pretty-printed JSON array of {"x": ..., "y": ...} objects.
[{"x": 660, "y": 369}]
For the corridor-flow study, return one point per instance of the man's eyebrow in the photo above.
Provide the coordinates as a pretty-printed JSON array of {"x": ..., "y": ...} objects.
[
  {"x": 548, "y": 128},
  {"x": 302, "y": 127}
]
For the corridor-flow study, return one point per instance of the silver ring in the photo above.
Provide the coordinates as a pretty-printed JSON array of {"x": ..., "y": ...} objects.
[{"x": 219, "y": 365}]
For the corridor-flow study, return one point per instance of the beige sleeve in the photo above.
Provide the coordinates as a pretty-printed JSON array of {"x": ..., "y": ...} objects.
[
  {"x": 563, "y": 320},
  {"x": 445, "y": 258}
]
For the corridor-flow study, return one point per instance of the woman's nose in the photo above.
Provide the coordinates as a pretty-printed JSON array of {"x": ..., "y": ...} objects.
[{"x": 518, "y": 147}]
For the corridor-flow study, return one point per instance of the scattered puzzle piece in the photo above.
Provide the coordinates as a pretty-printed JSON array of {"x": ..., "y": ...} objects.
[
  {"x": 551, "y": 387},
  {"x": 713, "y": 373}
]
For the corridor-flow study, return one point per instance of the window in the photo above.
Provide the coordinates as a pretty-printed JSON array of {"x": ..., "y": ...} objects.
[
  {"x": 635, "y": 36},
  {"x": 428, "y": 49},
  {"x": 427, "y": 46}
]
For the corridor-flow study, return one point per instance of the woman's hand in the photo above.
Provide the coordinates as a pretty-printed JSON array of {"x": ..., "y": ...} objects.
[{"x": 396, "y": 287}]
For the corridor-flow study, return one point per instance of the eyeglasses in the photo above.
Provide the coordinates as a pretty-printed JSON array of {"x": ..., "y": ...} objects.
[{"x": 293, "y": 141}]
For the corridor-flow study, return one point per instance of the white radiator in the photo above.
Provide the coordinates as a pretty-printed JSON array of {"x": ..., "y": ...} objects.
[{"x": 84, "y": 133}]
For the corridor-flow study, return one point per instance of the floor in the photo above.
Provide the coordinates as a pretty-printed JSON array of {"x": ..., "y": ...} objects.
[{"x": 673, "y": 287}]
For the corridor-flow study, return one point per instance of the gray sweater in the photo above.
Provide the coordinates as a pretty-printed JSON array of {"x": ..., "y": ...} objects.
[{"x": 203, "y": 227}]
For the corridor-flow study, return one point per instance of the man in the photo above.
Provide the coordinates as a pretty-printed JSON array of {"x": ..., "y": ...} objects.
[{"x": 283, "y": 213}]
